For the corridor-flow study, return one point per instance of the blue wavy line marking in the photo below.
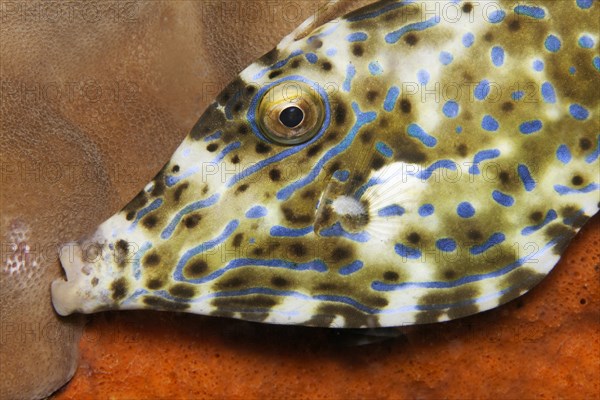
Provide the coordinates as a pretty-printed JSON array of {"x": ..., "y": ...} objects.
[
  {"x": 393, "y": 210},
  {"x": 388, "y": 287},
  {"x": 493, "y": 240},
  {"x": 153, "y": 206},
  {"x": 530, "y": 11},
  {"x": 377, "y": 13},
  {"x": 482, "y": 156},
  {"x": 563, "y": 190},
  {"x": 419, "y": 133},
  {"x": 314, "y": 265},
  {"x": 361, "y": 120},
  {"x": 427, "y": 172},
  {"x": 194, "y": 251},
  {"x": 277, "y": 65},
  {"x": 336, "y": 230},
  {"x": 214, "y": 136},
  {"x": 351, "y": 268},
  {"x": 282, "y": 231},
  {"x": 370, "y": 183},
  {"x": 357, "y": 37},
  {"x": 594, "y": 156},
  {"x": 550, "y": 216},
  {"x": 135, "y": 265},
  {"x": 350, "y": 72},
  {"x": 326, "y": 32},
  {"x": 407, "y": 252},
  {"x": 257, "y": 212},
  {"x": 134, "y": 296},
  {"x": 393, "y": 37},
  {"x": 290, "y": 151},
  {"x": 390, "y": 98},
  {"x": 563, "y": 154},
  {"x": 173, "y": 180},
  {"x": 526, "y": 178},
  {"x": 168, "y": 231},
  {"x": 503, "y": 199},
  {"x": 384, "y": 149}
]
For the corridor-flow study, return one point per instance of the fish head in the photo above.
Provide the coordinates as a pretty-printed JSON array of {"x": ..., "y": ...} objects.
[{"x": 324, "y": 186}]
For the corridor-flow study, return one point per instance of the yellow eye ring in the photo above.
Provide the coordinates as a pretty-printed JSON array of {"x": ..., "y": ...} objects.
[{"x": 290, "y": 112}]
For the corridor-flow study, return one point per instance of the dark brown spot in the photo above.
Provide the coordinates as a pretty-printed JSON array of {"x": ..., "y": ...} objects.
[
  {"x": 295, "y": 63},
  {"x": 250, "y": 89},
  {"x": 514, "y": 25},
  {"x": 313, "y": 150},
  {"x": 130, "y": 215},
  {"x": 295, "y": 218},
  {"x": 175, "y": 168},
  {"x": 196, "y": 269},
  {"x": 297, "y": 249},
  {"x": 237, "y": 239},
  {"x": 249, "y": 302},
  {"x": 488, "y": 37},
  {"x": 414, "y": 238},
  {"x": 275, "y": 174},
  {"x": 270, "y": 57},
  {"x": 504, "y": 177},
  {"x": 340, "y": 113},
  {"x": 160, "y": 303},
  {"x": 235, "y": 159},
  {"x": 212, "y": 147},
  {"x": 231, "y": 283},
  {"x": 391, "y": 276},
  {"x": 212, "y": 120},
  {"x": 119, "y": 289},
  {"x": 262, "y": 148},
  {"x": 366, "y": 137},
  {"x": 151, "y": 260},
  {"x": 179, "y": 191},
  {"x": 462, "y": 149},
  {"x": 474, "y": 234},
  {"x": 467, "y": 7},
  {"x": 95, "y": 281},
  {"x": 577, "y": 180},
  {"x": 182, "y": 290},
  {"x": 154, "y": 284},
  {"x": 279, "y": 281},
  {"x": 411, "y": 39},
  {"x": 405, "y": 106},
  {"x": 274, "y": 74},
  {"x": 242, "y": 129},
  {"x": 317, "y": 44},
  {"x": 237, "y": 107},
  {"x": 449, "y": 274},
  {"x": 507, "y": 106},
  {"x": 326, "y": 66},
  {"x": 536, "y": 216},
  {"x": 242, "y": 188},
  {"x": 192, "y": 220},
  {"x": 585, "y": 144},
  {"x": 372, "y": 95},
  {"x": 340, "y": 253},
  {"x": 357, "y": 49},
  {"x": 308, "y": 194},
  {"x": 562, "y": 235},
  {"x": 377, "y": 162},
  {"x": 150, "y": 221}
]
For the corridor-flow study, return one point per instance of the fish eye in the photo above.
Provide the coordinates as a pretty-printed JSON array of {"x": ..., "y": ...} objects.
[{"x": 290, "y": 113}]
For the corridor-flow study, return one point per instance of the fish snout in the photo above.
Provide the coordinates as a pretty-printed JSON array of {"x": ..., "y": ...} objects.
[{"x": 75, "y": 294}]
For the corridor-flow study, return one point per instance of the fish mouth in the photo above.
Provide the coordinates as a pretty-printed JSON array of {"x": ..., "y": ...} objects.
[{"x": 68, "y": 295}]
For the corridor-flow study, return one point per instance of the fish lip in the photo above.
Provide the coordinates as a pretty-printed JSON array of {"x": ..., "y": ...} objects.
[{"x": 67, "y": 294}]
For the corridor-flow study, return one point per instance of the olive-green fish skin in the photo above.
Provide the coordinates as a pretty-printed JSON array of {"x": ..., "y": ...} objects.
[{"x": 454, "y": 156}]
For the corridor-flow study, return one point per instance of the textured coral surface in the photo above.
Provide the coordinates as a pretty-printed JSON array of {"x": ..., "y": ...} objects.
[{"x": 545, "y": 344}]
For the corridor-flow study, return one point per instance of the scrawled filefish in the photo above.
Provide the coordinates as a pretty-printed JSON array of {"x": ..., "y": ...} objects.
[{"x": 408, "y": 163}]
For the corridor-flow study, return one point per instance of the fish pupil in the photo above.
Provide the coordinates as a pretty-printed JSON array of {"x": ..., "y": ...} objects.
[{"x": 291, "y": 116}]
